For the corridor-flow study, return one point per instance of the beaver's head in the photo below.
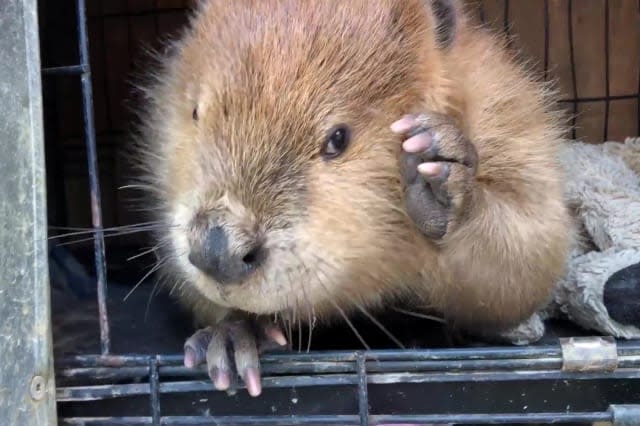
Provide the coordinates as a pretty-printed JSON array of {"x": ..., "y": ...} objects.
[{"x": 270, "y": 147}]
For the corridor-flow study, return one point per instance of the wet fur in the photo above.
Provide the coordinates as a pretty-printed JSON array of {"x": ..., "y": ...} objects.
[{"x": 268, "y": 79}]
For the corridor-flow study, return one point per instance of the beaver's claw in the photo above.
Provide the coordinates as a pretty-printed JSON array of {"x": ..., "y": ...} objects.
[
  {"x": 231, "y": 348},
  {"x": 438, "y": 167}
]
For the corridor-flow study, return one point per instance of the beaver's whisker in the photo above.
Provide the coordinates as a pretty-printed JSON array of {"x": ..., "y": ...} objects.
[
  {"x": 139, "y": 186},
  {"x": 377, "y": 323},
  {"x": 157, "y": 266},
  {"x": 308, "y": 304},
  {"x": 420, "y": 315},
  {"x": 362, "y": 309},
  {"x": 105, "y": 235},
  {"x": 158, "y": 283},
  {"x": 343, "y": 314},
  {"x": 177, "y": 285},
  {"x": 289, "y": 327},
  {"x": 310, "y": 308},
  {"x": 290, "y": 308},
  {"x": 89, "y": 230},
  {"x": 299, "y": 333},
  {"x": 148, "y": 251}
]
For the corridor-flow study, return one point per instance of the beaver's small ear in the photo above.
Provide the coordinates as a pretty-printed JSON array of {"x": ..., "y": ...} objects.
[{"x": 446, "y": 15}]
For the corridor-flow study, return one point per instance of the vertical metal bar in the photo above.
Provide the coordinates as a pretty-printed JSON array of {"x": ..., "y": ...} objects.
[
  {"x": 27, "y": 385},
  {"x": 505, "y": 18},
  {"x": 546, "y": 39},
  {"x": 573, "y": 68},
  {"x": 505, "y": 24},
  {"x": 94, "y": 181},
  {"x": 606, "y": 71},
  {"x": 154, "y": 391},
  {"x": 363, "y": 396}
]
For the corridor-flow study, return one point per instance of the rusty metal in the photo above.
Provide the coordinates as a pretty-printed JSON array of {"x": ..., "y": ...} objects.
[{"x": 589, "y": 354}]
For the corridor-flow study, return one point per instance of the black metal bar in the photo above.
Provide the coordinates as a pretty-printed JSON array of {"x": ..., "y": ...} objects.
[
  {"x": 606, "y": 71},
  {"x": 546, "y": 40},
  {"x": 626, "y": 348},
  {"x": 573, "y": 68},
  {"x": 497, "y": 376},
  {"x": 349, "y": 356},
  {"x": 154, "y": 390},
  {"x": 343, "y": 420},
  {"x": 94, "y": 180},
  {"x": 465, "y": 365},
  {"x": 349, "y": 420},
  {"x": 495, "y": 418},
  {"x": 363, "y": 396},
  {"x": 340, "y": 368},
  {"x": 505, "y": 19},
  {"x": 99, "y": 392},
  {"x": 65, "y": 70},
  {"x": 322, "y": 367},
  {"x": 372, "y": 367},
  {"x": 599, "y": 98},
  {"x": 103, "y": 373}
]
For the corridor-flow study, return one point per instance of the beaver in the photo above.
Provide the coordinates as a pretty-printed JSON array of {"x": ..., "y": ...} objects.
[{"x": 318, "y": 159}]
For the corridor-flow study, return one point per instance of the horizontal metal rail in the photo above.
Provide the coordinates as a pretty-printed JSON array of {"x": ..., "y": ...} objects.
[
  {"x": 625, "y": 349},
  {"x": 98, "y": 392},
  {"x": 66, "y": 70},
  {"x": 347, "y": 420}
]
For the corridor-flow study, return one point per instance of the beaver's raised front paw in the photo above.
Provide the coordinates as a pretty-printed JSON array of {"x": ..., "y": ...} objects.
[
  {"x": 231, "y": 348},
  {"x": 438, "y": 168}
]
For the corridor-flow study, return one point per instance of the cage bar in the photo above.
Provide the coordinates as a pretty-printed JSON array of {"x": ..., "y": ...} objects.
[
  {"x": 607, "y": 84},
  {"x": 350, "y": 420},
  {"x": 94, "y": 178},
  {"x": 154, "y": 386},
  {"x": 574, "y": 78},
  {"x": 27, "y": 382},
  {"x": 65, "y": 70},
  {"x": 363, "y": 398}
]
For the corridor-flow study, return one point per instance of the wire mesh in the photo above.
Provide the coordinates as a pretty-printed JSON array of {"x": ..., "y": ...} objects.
[{"x": 154, "y": 376}]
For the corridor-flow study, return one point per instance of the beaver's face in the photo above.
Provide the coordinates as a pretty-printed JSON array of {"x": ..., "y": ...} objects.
[{"x": 278, "y": 171}]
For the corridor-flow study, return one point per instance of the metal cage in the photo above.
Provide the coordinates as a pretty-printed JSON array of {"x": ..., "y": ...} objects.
[{"x": 575, "y": 380}]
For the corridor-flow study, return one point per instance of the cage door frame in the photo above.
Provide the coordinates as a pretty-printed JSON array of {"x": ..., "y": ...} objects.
[{"x": 27, "y": 387}]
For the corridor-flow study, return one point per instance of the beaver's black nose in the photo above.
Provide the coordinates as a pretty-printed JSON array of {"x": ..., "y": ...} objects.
[{"x": 215, "y": 257}]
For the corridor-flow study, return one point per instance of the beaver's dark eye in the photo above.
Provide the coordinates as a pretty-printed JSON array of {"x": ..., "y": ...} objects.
[
  {"x": 336, "y": 143},
  {"x": 195, "y": 114}
]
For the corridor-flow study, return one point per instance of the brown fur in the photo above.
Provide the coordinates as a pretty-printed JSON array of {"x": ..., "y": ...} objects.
[{"x": 269, "y": 78}]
